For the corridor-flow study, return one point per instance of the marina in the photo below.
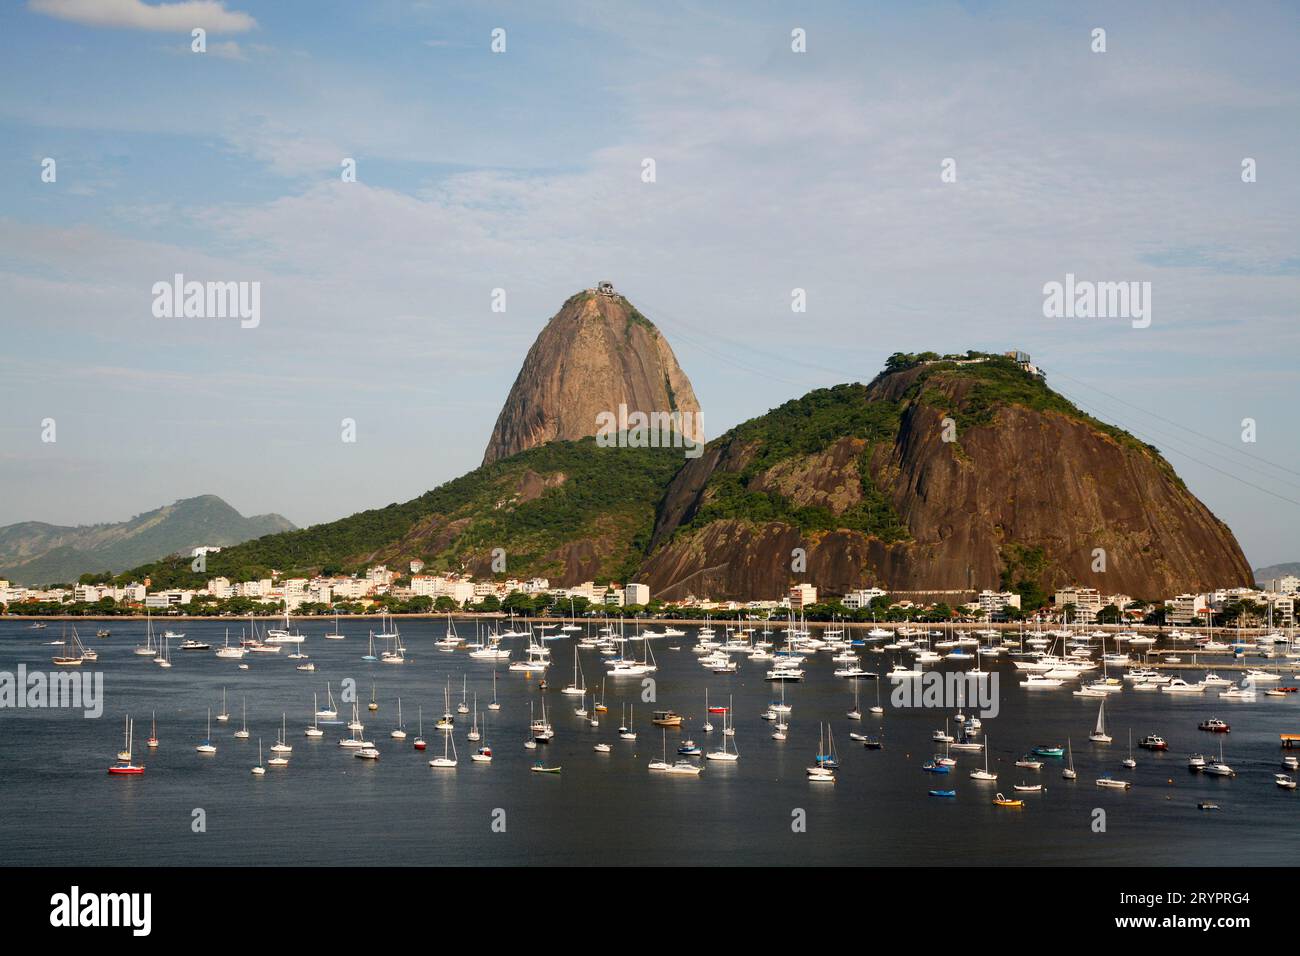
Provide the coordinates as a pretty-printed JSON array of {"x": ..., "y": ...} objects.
[{"x": 314, "y": 801}]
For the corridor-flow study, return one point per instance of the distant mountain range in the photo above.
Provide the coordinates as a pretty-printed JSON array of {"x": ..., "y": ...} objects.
[
  {"x": 945, "y": 472},
  {"x": 33, "y": 552},
  {"x": 1276, "y": 571}
]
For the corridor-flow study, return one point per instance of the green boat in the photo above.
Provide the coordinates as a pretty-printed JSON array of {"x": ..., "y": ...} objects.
[{"x": 1049, "y": 751}]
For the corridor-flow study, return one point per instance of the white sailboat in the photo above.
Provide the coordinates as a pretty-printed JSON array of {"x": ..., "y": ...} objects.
[
  {"x": 473, "y": 727},
  {"x": 146, "y": 649},
  {"x": 224, "y": 715},
  {"x": 207, "y": 747},
  {"x": 329, "y": 711},
  {"x": 282, "y": 745},
  {"x": 314, "y": 730},
  {"x": 494, "y": 705},
  {"x": 1129, "y": 762},
  {"x": 399, "y": 732},
  {"x": 984, "y": 774},
  {"x": 448, "y": 758},
  {"x": 259, "y": 770},
  {"x": 242, "y": 732},
  {"x": 579, "y": 685},
  {"x": 1099, "y": 735},
  {"x": 723, "y": 753},
  {"x": 1068, "y": 773}
]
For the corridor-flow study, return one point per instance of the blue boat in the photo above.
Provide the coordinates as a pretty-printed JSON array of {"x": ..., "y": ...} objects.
[
  {"x": 931, "y": 767},
  {"x": 1049, "y": 751},
  {"x": 943, "y": 793},
  {"x": 689, "y": 749}
]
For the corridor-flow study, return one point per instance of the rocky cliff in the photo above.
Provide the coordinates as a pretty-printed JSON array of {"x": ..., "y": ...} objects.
[
  {"x": 597, "y": 353},
  {"x": 942, "y": 475}
]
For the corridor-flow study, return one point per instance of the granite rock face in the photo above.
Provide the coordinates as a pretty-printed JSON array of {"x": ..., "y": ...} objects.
[
  {"x": 1024, "y": 481},
  {"x": 597, "y": 353}
]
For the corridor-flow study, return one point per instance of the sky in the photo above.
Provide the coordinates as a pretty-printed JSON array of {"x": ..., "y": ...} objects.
[{"x": 523, "y": 170}]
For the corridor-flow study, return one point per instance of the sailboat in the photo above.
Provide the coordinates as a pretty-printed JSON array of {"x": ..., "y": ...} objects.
[
  {"x": 73, "y": 652},
  {"x": 877, "y": 710},
  {"x": 418, "y": 743},
  {"x": 708, "y": 726},
  {"x": 125, "y": 754},
  {"x": 124, "y": 765},
  {"x": 164, "y": 658},
  {"x": 579, "y": 685},
  {"x": 152, "y": 742},
  {"x": 207, "y": 746},
  {"x": 484, "y": 752},
  {"x": 821, "y": 771},
  {"x": 724, "y": 753},
  {"x": 626, "y": 731},
  {"x": 1099, "y": 735},
  {"x": 259, "y": 770},
  {"x": 1219, "y": 768},
  {"x": 399, "y": 732},
  {"x": 1129, "y": 762},
  {"x": 984, "y": 774},
  {"x": 494, "y": 705},
  {"x": 224, "y": 715},
  {"x": 448, "y": 758},
  {"x": 463, "y": 706},
  {"x": 370, "y": 653},
  {"x": 314, "y": 730},
  {"x": 357, "y": 740},
  {"x": 473, "y": 728},
  {"x": 336, "y": 635},
  {"x": 242, "y": 733},
  {"x": 282, "y": 745},
  {"x": 855, "y": 713},
  {"x": 373, "y": 705},
  {"x": 1068, "y": 773},
  {"x": 146, "y": 649},
  {"x": 676, "y": 767},
  {"x": 329, "y": 711},
  {"x": 448, "y": 719}
]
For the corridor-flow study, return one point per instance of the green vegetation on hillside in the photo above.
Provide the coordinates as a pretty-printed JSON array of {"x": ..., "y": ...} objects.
[
  {"x": 992, "y": 382},
  {"x": 801, "y": 427},
  {"x": 609, "y": 491}
]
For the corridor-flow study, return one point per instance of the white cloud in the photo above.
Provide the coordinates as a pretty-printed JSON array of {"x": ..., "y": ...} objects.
[{"x": 212, "y": 15}]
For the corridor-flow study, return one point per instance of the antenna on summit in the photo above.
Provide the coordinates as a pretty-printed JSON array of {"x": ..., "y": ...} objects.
[{"x": 605, "y": 287}]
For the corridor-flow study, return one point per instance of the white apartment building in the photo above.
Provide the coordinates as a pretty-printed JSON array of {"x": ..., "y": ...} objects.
[
  {"x": 861, "y": 598},
  {"x": 1183, "y": 608},
  {"x": 802, "y": 595},
  {"x": 1086, "y": 601},
  {"x": 994, "y": 603},
  {"x": 1287, "y": 584},
  {"x": 636, "y": 594},
  {"x": 1281, "y": 609}
]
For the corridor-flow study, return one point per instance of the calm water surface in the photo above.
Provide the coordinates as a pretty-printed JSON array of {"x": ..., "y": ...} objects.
[{"x": 59, "y": 806}]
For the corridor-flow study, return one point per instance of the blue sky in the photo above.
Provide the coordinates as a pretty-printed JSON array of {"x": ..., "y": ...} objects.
[{"x": 521, "y": 170}]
